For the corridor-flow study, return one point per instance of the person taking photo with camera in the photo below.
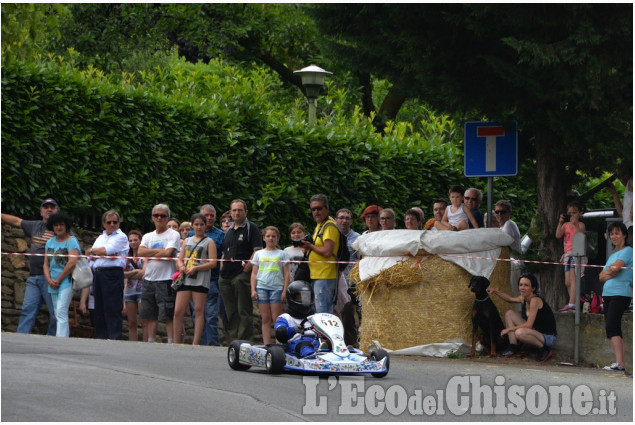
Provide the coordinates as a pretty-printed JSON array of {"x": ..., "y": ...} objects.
[{"x": 568, "y": 225}]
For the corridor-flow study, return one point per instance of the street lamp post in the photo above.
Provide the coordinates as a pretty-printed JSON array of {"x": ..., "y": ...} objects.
[{"x": 313, "y": 80}]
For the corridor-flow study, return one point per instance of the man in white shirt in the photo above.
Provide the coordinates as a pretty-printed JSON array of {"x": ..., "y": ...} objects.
[
  {"x": 157, "y": 298},
  {"x": 502, "y": 214},
  {"x": 108, "y": 279}
]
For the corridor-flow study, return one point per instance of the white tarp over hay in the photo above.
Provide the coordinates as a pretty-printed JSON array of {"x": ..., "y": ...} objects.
[
  {"x": 440, "y": 349},
  {"x": 385, "y": 249}
]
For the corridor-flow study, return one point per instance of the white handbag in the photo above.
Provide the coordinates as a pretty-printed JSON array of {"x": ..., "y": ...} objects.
[{"x": 82, "y": 276}]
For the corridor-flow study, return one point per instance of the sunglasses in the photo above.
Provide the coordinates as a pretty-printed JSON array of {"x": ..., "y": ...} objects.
[
  {"x": 159, "y": 215},
  {"x": 343, "y": 218},
  {"x": 467, "y": 198},
  {"x": 112, "y": 222},
  {"x": 226, "y": 220},
  {"x": 501, "y": 212},
  {"x": 317, "y": 208}
]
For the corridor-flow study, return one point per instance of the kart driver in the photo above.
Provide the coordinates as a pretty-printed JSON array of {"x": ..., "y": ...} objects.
[{"x": 289, "y": 325}]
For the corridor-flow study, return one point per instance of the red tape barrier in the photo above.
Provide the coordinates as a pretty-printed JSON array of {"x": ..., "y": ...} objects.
[{"x": 115, "y": 257}]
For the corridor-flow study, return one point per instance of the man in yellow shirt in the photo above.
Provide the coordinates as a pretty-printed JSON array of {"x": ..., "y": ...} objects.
[{"x": 326, "y": 239}]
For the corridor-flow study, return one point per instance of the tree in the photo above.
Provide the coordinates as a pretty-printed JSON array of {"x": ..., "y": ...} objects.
[
  {"x": 564, "y": 71},
  {"x": 26, "y": 26}
]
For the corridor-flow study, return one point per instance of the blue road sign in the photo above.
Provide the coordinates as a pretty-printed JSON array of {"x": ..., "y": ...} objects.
[{"x": 490, "y": 149}]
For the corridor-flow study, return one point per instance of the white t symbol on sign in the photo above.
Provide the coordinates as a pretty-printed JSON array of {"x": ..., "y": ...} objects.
[{"x": 490, "y": 134}]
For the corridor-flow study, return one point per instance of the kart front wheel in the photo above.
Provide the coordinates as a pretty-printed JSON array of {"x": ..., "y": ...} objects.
[
  {"x": 378, "y": 355},
  {"x": 233, "y": 356},
  {"x": 275, "y": 359}
]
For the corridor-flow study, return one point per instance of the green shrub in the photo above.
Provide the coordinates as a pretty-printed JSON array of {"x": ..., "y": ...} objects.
[{"x": 97, "y": 145}]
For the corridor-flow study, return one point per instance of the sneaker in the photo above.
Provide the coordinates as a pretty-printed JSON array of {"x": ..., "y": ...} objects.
[
  {"x": 567, "y": 308},
  {"x": 544, "y": 354},
  {"x": 511, "y": 351},
  {"x": 614, "y": 366}
]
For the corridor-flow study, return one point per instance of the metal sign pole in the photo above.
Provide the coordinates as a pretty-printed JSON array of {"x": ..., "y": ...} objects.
[
  {"x": 490, "y": 192},
  {"x": 578, "y": 251}
]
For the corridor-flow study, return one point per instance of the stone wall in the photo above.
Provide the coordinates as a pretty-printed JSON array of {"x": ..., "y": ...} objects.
[{"x": 14, "y": 270}]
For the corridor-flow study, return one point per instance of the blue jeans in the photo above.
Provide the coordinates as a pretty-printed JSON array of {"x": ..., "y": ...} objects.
[
  {"x": 61, "y": 301},
  {"x": 210, "y": 330},
  {"x": 324, "y": 290},
  {"x": 35, "y": 294}
]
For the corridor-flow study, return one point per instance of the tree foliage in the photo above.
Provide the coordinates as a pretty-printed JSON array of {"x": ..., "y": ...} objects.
[
  {"x": 27, "y": 26},
  {"x": 561, "y": 69},
  {"x": 564, "y": 71}
]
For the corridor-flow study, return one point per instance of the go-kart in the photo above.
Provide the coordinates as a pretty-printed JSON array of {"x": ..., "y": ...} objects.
[{"x": 332, "y": 357}]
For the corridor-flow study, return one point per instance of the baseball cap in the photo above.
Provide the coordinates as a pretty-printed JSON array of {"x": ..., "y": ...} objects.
[
  {"x": 371, "y": 209},
  {"x": 49, "y": 200}
]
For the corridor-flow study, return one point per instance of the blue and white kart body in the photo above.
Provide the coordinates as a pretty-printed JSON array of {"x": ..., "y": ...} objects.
[{"x": 333, "y": 357}]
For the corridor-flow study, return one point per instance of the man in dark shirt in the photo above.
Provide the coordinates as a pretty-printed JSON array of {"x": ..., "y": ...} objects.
[
  {"x": 472, "y": 199},
  {"x": 241, "y": 241},
  {"x": 36, "y": 291}
]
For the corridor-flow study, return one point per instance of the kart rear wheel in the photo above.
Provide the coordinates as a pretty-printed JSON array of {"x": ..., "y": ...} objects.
[
  {"x": 233, "y": 355},
  {"x": 275, "y": 359},
  {"x": 378, "y": 355}
]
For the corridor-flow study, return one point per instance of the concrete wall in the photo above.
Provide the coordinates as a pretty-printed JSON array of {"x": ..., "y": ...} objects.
[{"x": 594, "y": 348}]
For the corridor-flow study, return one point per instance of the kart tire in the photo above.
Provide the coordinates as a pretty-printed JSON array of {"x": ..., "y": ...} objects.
[
  {"x": 275, "y": 359},
  {"x": 233, "y": 354},
  {"x": 378, "y": 355}
]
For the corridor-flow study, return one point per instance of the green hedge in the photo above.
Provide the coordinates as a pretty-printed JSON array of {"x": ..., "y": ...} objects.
[{"x": 96, "y": 145}]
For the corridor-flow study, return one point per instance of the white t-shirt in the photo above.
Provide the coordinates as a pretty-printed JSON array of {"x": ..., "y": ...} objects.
[{"x": 161, "y": 269}]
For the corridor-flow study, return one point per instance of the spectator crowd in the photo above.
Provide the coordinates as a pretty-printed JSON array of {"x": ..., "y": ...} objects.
[{"x": 219, "y": 272}]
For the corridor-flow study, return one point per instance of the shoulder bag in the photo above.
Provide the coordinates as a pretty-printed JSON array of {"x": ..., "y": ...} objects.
[{"x": 82, "y": 275}]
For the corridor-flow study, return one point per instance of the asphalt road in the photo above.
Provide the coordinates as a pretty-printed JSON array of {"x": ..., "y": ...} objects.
[{"x": 55, "y": 379}]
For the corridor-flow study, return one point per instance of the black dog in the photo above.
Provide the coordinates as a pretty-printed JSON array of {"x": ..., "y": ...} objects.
[{"x": 485, "y": 316}]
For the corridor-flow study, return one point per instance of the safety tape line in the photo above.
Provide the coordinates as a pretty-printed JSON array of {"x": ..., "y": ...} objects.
[{"x": 116, "y": 257}]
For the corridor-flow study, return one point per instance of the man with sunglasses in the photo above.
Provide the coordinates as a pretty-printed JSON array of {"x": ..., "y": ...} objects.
[
  {"x": 157, "y": 298},
  {"x": 36, "y": 290},
  {"x": 108, "y": 278},
  {"x": 472, "y": 199},
  {"x": 326, "y": 240},
  {"x": 502, "y": 216}
]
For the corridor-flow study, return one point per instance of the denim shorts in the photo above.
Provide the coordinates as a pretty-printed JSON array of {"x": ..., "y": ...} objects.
[
  {"x": 570, "y": 264},
  {"x": 269, "y": 296},
  {"x": 550, "y": 340},
  {"x": 132, "y": 298}
]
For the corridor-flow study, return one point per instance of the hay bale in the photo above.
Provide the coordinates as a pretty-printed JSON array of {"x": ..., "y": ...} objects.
[{"x": 423, "y": 300}]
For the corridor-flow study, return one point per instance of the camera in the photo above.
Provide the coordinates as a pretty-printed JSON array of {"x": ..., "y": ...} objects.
[
  {"x": 567, "y": 217},
  {"x": 298, "y": 242}
]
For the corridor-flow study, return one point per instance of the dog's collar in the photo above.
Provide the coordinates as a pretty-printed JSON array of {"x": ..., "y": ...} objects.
[{"x": 484, "y": 299}]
